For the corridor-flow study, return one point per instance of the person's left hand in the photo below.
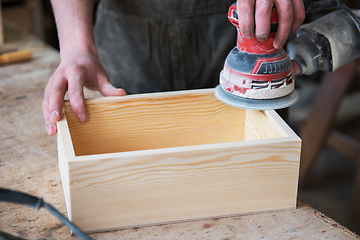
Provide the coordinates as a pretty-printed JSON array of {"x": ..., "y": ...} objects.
[{"x": 77, "y": 70}]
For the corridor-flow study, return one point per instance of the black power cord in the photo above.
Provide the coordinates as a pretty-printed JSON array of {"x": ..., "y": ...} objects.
[
  {"x": 312, "y": 6},
  {"x": 350, "y": 14},
  {"x": 7, "y": 195},
  {"x": 320, "y": 5}
]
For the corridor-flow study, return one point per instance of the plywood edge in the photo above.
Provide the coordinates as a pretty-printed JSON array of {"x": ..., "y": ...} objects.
[{"x": 144, "y": 96}]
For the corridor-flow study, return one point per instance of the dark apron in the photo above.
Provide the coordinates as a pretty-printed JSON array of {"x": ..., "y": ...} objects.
[{"x": 163, "y": 45}]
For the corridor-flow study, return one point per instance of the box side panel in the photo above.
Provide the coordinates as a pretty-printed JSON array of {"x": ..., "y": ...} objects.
[
  {"x": 278, "y": 121},
  {"x": 65, "y": 155},
  {"x": 164, "y": 121},
  {"x": 64, "y": 172},
  {"x": 132, "y": 191},
  {"x": 260, "y": 125}
]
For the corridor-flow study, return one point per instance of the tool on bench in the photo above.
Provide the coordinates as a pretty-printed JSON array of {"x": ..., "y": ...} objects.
[
  {"x": 14, "y": 55},
  {"x": 258, "y": 76}
]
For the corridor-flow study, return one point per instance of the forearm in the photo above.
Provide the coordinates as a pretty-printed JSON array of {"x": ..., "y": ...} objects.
[{"x": 75, "y": 26}]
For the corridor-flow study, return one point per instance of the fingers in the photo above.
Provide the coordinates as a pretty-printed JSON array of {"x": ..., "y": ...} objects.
[
  {"x": 72, "y": 80},
  {"x": 52, "y": 103},
  {"x": 56, "y": 98},
  {"x": 107, "y": 89},
  {"x": 76, "y": 93},
  {"x": 291, "y": 14},
  {"x": 299, "y": 14},
  {"x": 50, "y": 127},
  {"x": 72, "y": 77},
  {"x": 245, "y": 10},
  {"x": 263, "y": 19},
  {"x": 284, "y": 9}
]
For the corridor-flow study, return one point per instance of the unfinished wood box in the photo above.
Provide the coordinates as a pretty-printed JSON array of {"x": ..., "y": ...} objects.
[{"x": 163, "y": 157}]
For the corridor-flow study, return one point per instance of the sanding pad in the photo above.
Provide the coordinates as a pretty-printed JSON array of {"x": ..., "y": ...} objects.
[{"x": 257, "y": 104}]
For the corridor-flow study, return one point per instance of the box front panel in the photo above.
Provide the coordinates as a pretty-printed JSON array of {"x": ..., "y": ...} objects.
[{"x": 156, "y": 188}]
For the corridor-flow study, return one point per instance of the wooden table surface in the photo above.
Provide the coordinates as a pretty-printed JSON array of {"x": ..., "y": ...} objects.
[{"x": 28, "y": 163}]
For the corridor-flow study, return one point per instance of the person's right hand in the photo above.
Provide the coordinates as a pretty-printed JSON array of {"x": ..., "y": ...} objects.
[
  {"x": 76, "y": 70},
  {"x": 291, "y": 14}
]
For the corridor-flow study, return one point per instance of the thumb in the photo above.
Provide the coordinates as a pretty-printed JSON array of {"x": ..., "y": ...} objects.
[{"x": 107, "y": 89}]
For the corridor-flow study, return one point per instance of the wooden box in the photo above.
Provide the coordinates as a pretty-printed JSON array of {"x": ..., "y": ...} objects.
[{"x": 163, "y": 157}]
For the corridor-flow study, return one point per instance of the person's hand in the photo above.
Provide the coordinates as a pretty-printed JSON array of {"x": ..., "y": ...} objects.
[
  {"x": 291, "y": 14},
  {"x": 75, "y": 71}
]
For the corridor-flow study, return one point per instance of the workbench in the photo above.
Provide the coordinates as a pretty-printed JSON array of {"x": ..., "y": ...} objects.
[{"x": 28, "y": 163}]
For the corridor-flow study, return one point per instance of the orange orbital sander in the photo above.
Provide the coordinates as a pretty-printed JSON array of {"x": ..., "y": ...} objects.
[{"x": 256, "y": 75}]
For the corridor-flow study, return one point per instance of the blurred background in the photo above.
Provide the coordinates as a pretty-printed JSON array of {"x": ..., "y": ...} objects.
[{"x": 332, "y": 183}]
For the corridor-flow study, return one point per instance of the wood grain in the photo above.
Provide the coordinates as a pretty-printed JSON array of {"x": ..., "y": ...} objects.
[
  {"x": 155, "y": 158},
  {"x": 176, "y": 186},
  {"x": 65, "y": 153},
  {"x": 164, "y": 121},
  {"x": 259, "y": 125}
]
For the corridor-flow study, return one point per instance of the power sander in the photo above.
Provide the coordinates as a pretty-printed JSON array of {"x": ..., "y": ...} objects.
[{"x": 258, "y": 76}]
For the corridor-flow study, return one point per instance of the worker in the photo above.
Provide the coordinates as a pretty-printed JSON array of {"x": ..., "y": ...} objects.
[{"x": 151, "y": 45}]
